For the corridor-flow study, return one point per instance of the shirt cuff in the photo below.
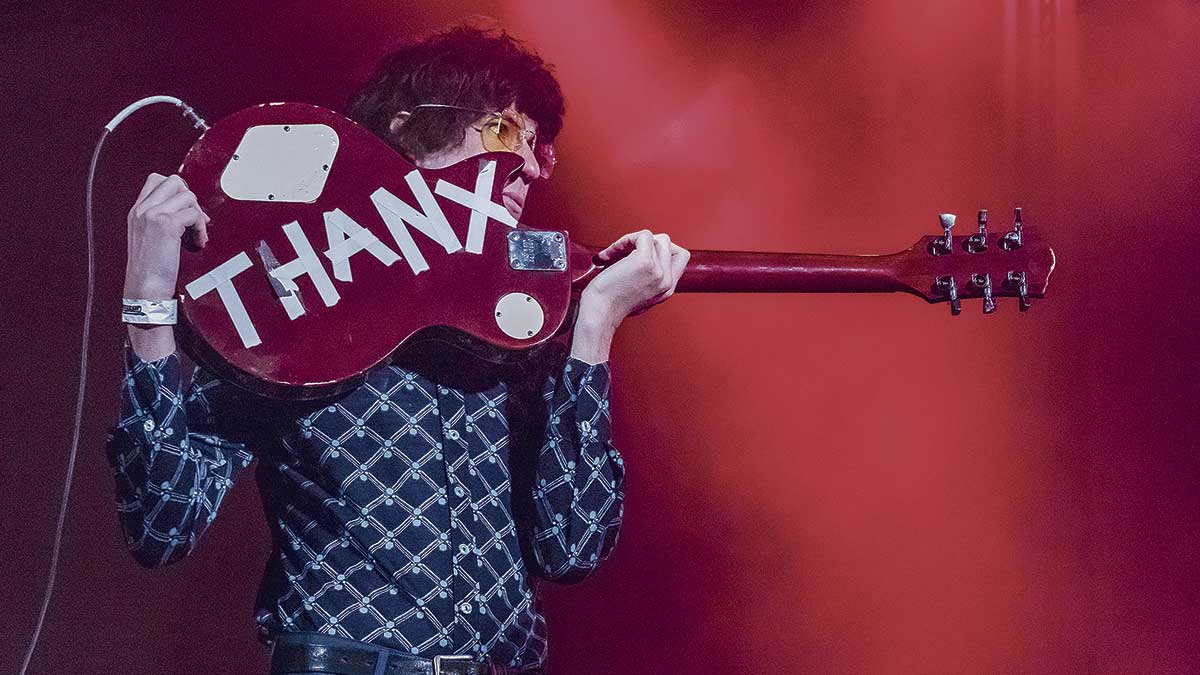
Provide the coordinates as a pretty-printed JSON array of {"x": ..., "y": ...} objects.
[
  {"x": 146, "y": 380},
  {"x": 586, "y": 387},
  {"x": 577, "y": 371}
]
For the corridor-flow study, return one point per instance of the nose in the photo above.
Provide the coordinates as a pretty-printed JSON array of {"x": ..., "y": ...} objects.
[{"x": 532, "y": 170}]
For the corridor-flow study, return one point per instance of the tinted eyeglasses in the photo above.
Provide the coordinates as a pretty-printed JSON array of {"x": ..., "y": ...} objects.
[{"x": 503, "y": 132}]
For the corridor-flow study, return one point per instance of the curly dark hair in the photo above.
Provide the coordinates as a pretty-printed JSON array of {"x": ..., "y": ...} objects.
[{"x": 465, "y": 66}]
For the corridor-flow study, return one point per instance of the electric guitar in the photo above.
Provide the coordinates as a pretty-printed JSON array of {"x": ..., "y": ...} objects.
[{"x": 331, "y": 251}]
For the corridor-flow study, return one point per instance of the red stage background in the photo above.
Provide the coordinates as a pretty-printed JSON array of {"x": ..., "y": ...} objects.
[{"x": 829, "y": 484}]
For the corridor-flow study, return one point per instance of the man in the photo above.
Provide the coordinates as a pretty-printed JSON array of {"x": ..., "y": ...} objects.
[{"x": 411, "y": 516}]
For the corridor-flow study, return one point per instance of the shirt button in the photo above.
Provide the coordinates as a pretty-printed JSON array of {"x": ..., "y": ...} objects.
[
  {"x": 452, "y": 434},
  {"x": 464, "y": 549},
  {"x": 458, "y": 492},
  {"x": 148, "y": 425},
  {"x": 465, "y": 607}
]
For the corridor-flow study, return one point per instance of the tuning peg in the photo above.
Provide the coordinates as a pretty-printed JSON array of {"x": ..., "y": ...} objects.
[
  {"x": 1017, "y": 279},
  {"x": 978, "y": 241},
  {"x": 984, "y": 281},
  {"x": 947, "y": 285},
  {"x": 946, "y": 243},
  {"x": 1012, "y": 240}
]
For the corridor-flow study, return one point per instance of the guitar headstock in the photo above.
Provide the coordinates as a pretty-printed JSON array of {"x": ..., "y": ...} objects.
[{"x": 987, "y": 265}]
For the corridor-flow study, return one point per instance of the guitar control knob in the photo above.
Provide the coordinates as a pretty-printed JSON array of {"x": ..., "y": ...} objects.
[
  {"x": 984, "y": 281},
  {"x": 949, "y": 288}
]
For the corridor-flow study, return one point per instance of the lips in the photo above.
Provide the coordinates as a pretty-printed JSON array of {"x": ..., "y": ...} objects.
[{"x": 514, "y": 205}]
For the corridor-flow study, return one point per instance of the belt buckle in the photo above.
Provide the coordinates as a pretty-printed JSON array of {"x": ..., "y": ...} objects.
[{"x": 440, "y": 659}]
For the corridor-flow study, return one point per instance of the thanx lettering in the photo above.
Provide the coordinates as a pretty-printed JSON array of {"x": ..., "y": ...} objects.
[{"x": 346, "y": 238}]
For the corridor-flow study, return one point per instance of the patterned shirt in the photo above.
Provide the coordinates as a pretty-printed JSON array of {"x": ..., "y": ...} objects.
[{"x": 410, "y": 512}]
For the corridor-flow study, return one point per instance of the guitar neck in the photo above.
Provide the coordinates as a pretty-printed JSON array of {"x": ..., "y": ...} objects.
[
  {"x": 985, "y": 265},
  {"x": 753, "y": 272}
]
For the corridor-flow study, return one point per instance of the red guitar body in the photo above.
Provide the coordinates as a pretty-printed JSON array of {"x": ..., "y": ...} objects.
[
  {"x": 381, "y": 306},
  {"x": 328, "y": 251}
]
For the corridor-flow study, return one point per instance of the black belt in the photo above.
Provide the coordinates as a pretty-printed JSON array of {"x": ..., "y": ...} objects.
[{"x": 294, "y": 653}]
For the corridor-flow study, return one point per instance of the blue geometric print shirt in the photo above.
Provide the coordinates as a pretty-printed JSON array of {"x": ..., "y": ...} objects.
[{"x": 410, "y": 512}]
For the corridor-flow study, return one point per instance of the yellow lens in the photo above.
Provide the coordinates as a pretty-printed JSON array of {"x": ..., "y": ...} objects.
[{"x": 501, "y": 134}]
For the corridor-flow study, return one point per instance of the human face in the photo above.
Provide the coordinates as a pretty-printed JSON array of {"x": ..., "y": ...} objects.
[{"x": 517, "y": 189}]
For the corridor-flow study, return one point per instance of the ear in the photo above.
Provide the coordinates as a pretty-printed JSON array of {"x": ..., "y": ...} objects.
[{"x": 398, "y": 121}]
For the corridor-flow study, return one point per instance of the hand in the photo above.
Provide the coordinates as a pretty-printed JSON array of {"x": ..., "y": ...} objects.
[
  {"x": 163, "y": 212},
  {"x": 642, "y": 269}
]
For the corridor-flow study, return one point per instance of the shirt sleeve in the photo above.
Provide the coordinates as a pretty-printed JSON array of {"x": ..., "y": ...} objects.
[
  {"x": 172, "y": 469},
  {"x": 579, "y": 480}
]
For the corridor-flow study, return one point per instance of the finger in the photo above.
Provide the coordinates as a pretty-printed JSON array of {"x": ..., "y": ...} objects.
[
  {"x": 646, "y": 255},
  {"x": 152, "y": 181},
  {"x": 621, "y": 247},
  {"x": 198, "y": 230},
  {"x": 168, "y": 188},
  {"x": 201, "y": 236},
  {"x": 644, "y": 242},
  {"x": 178, "y": 202},
  {"x": 679, "y": 257},
  {"x": 191, "y": 217},
  {"x": 679, "y": 260},
  {"x": 617, "y": 249},
  {"x": 662, "y": 249}
]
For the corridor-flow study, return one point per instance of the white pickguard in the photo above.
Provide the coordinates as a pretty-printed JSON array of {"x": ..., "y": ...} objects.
[{"x": 281, "y": 163}]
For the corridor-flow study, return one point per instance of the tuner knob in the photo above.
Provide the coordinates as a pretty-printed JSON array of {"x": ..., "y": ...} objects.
[
  {"x": 984, "y": 281},
  {"x": 949, "y": 288},
  {"x": 946, "y": 243},
  {"x": 1017, "y": 279},
  {"x": 1012, "y": 240},
  {"x": 978, "y": 241}
]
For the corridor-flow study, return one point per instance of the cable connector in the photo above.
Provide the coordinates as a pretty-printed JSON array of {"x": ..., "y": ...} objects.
[
  {"x": 186, "y": 109},
  {"x": 195, "y": 119}
]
